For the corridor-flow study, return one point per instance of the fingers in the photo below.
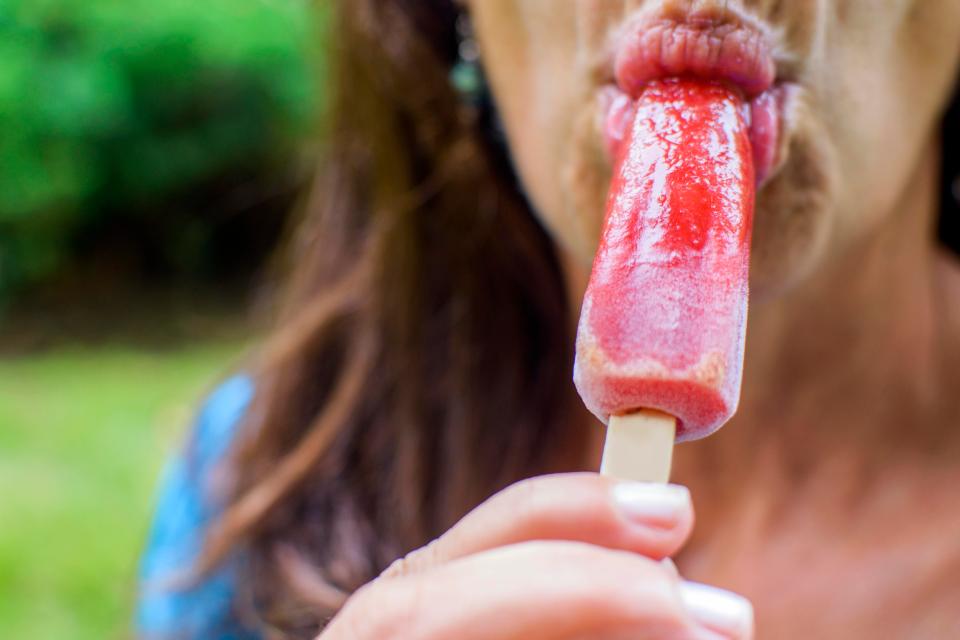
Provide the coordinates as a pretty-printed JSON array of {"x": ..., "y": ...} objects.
[
  {"x": 650, "y": 519},
  {"x": 561, "y": 557},
  {"x": 545, "y": 590}
]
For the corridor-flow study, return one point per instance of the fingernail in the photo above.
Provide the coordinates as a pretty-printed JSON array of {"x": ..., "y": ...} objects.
[
  {"x": 720, "y": 611},
  {"x": 651, "y": 503}
]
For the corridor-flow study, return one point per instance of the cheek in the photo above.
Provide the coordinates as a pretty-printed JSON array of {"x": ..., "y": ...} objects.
[
  {"x": 546, "y": 98},
  {"x": 883, "y": 101},
  {"x": 567, "y": 174}
]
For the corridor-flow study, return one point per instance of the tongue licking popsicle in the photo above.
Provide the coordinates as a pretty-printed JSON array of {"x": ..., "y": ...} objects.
[{"x": 661, "y": 335}]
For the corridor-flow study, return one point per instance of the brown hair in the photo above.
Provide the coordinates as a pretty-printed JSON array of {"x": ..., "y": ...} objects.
[{"x": 423, "y": 358}]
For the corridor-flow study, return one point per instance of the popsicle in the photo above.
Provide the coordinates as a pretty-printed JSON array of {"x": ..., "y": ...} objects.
[{"x": 660, "y": 342}]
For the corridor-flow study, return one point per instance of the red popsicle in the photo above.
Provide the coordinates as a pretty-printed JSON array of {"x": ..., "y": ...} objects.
[{"x": 664, "y": 317}]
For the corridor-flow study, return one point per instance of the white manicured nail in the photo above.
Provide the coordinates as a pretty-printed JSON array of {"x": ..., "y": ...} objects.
[
  {"x": 718, "y": 610},
  {"x": 651, "y": 503}
]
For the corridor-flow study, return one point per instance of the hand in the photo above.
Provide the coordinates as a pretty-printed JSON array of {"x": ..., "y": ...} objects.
[{"x": 559, "y": 557}]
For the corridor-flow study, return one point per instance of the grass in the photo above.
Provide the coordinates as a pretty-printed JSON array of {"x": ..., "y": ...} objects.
[{"x": 83, "y": 435}]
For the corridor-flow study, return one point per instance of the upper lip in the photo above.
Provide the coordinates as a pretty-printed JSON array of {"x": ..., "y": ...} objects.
[{"x": 713, "y": 41}]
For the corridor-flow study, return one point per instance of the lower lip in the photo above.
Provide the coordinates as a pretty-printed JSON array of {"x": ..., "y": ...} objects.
[{"x": 763, "y": 114}]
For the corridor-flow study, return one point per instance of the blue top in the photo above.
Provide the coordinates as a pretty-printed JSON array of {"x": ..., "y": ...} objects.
[{"x": 184, "y": 508}]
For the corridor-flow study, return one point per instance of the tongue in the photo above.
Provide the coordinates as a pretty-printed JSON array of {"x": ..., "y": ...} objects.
[{"x": 664, "y": 317}]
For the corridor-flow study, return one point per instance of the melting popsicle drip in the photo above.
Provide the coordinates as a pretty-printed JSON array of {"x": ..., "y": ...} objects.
[{"x": 664, "y": 316}]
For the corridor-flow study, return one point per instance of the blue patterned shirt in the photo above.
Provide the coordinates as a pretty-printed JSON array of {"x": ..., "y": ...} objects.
[{"x": 185, "y": 507}]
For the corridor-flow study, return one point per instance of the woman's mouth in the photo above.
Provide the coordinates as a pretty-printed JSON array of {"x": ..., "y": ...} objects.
[{"x": 712, "y": 43}]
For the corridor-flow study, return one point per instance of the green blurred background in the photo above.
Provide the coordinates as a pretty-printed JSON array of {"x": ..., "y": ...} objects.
[{"x": 150, "y": 153}]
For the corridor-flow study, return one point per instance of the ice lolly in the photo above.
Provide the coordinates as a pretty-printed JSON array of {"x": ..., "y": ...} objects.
[{"x": 662, "y": 326}]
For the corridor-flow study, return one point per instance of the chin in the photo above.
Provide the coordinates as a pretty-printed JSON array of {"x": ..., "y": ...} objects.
[{"x": 794, "y": 210}]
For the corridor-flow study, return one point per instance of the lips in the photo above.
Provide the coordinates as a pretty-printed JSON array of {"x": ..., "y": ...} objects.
[{"x": 712, "y": 43}]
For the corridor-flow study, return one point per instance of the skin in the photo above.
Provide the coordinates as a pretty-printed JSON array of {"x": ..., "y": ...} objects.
[{"x": 829, "y": 499}]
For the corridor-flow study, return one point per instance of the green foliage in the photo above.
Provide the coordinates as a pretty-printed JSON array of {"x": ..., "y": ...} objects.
[{"x": 109, "y": 104}]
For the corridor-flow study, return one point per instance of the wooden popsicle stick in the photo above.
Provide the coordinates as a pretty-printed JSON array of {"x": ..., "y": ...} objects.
[{"x": 639, "y": 446}]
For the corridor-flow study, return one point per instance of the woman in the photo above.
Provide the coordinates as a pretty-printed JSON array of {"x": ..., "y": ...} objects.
[{"x": 423, "y": 362}]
